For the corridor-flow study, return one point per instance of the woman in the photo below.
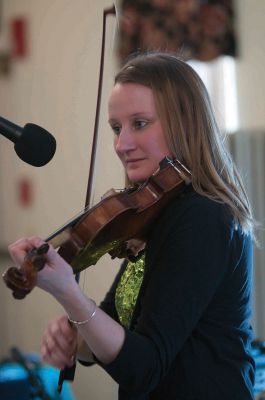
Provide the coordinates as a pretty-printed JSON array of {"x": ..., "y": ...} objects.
[{"x": 175, "y": 324}]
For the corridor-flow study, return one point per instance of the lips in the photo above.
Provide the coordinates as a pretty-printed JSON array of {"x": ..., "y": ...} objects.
[{"x": 134, "y": 160}]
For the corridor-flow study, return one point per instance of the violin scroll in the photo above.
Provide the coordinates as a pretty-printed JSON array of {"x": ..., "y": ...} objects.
[{"x": 22, "y": 280}]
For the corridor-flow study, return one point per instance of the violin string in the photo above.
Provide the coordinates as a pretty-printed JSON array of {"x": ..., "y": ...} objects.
[
  {"x": 76, "y": 218},
  {"x": 66, "y": 224},
  {"x": 84, "y": 280}
]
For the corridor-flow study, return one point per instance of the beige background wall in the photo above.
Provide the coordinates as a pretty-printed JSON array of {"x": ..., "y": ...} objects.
[{"x": 55, "y": 86}]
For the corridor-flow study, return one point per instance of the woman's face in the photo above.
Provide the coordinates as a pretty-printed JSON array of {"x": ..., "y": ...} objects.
[{"x": 139, "y": 140}]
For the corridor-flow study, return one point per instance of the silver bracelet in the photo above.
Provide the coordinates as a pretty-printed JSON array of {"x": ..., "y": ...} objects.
[{"x": 72, "y": 321}]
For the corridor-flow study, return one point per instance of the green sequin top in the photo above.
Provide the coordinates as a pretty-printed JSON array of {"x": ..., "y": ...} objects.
[{"x": 128, "y": 289}]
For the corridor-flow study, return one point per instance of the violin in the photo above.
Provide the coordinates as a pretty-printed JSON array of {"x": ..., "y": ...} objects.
[{"x": 108, "y": 227}]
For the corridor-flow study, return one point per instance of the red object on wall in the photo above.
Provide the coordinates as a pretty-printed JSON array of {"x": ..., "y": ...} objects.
[
  {"x": 19, "y": 37},
  {"x": 25, "y": 192}
]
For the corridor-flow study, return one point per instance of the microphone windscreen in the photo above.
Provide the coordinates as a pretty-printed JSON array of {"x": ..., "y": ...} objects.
[{"x": 36, "y": 146}]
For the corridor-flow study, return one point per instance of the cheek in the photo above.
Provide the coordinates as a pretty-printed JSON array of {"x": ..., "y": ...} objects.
[
  {"x": 159, "y": 148},
  {"x": 115, "y": 141},
  {"x": 115, "y": 147}
]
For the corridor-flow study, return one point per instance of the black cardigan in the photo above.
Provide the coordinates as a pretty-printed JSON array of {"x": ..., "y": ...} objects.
[{"x": 190, "y": 334}]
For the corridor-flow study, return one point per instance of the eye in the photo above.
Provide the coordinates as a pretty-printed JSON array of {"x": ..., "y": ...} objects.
[
  {"x": 116, "y": 129},
  {"x": 140, "y": 124}
]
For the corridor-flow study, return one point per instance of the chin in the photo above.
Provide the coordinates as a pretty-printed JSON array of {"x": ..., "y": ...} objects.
[
  {"x": 137, "y": 178},
  {"x": 140, "y": 172}
]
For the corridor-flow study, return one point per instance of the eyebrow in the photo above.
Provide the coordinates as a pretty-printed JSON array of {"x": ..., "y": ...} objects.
[{"x": 139, "y": 114}]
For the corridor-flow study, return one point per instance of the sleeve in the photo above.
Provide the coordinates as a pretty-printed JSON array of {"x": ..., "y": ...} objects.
[{"x": 187, "y": 259}]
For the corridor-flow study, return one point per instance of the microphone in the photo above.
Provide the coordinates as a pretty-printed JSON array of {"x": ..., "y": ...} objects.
[{"x": 33, "y": 144}]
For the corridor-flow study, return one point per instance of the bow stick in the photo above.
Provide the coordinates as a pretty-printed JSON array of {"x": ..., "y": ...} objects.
[{"x": 68, "y": 373}]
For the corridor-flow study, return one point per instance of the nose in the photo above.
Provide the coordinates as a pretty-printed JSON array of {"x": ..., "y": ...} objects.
[{"x": 125, "y": 141}]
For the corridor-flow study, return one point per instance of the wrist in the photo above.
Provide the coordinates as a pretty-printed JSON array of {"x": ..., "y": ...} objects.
[
  {"x": 77, "y": 323},
  {"x": 69, "y": 292},
  {"x": 80, "y": 309}
]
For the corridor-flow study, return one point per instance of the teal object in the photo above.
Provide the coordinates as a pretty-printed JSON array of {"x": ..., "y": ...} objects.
[{"x": 16, "y": 384}]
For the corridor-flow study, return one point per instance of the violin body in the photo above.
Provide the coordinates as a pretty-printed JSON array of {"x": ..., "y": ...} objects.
[
  {"x": 109, "y": 226},
  {"x": 120, "y": 217}
]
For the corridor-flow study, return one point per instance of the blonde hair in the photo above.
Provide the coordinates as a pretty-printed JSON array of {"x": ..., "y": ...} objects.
[{"x": 191, "y": 131}]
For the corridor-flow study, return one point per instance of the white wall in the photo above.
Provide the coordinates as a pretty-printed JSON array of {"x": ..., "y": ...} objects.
[
  {"x": 250, "y": 63},
  {"x": 249, "y": 151},
  {"x": 55, "y": 86}
]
